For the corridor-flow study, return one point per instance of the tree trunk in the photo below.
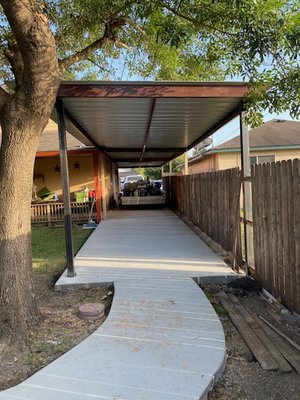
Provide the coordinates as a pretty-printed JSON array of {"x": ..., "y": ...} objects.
[
  {"x": 23, "y": 117},
  {"x": 18, "y": 311},
  {"x": 18, "y": 307}
]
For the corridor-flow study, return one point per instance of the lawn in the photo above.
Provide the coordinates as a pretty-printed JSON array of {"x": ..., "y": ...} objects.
[
  {"x": 48, "y": 247},
  {"x": 60, "y": 328}
]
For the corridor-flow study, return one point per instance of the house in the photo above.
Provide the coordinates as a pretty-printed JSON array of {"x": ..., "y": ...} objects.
[
  {"x": 89, "y": 169},
  {"x": 275, "y": 140}
]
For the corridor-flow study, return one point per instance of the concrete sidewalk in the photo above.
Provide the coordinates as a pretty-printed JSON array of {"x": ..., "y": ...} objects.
[{"x": 162, "y": 339}]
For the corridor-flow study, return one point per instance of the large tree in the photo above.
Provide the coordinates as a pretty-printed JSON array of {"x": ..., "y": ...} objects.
[{"x": 45, "y": 41}]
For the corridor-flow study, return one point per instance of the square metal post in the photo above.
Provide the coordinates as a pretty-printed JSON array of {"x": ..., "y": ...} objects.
[
  {"x": 186, "y": 163},
  {"x": 103, "y": 186},
  {"x": 97, "y": 186},
  {"x": 247, "y": 199},
  {"x": 65, "y": 188}
]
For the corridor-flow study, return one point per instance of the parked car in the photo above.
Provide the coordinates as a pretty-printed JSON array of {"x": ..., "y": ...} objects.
[{"x": 130, "y": 179}]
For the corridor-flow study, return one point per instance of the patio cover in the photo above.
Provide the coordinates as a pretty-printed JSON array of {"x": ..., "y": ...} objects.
[{"x": 147, "y": 123}]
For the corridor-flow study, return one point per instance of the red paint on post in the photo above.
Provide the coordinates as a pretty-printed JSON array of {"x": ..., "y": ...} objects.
[{"x": 97, "y": 186}]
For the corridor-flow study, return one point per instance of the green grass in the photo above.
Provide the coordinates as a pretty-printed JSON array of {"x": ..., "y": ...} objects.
[{"x": 48, "y": 247}]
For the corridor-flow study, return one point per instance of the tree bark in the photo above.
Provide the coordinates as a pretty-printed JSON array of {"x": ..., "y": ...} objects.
[
  {"x": 18, "y": 307},
  {"x": 23, "y": 118},
  {"x": 20, "y": 138}
]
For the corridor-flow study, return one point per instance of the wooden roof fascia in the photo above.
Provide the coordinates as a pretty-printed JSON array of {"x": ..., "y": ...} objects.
[
  {"x": 54, "y": 153},
  {"x": 143, "y": 166},
  {"x": 152, "y": 90},
  {"x": 137, "y": 160},
  {"x": 147, "y": 149}
]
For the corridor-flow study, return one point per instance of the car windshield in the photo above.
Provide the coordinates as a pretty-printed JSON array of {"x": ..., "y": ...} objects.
[{"x": 134, "y": 178}]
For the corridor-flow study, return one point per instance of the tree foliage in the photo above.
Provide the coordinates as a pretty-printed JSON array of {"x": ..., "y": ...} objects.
[
  {"x": 155, "y": 172},
  {"x": 43, "y": 41},
  {"x": 257, "y": 40}
]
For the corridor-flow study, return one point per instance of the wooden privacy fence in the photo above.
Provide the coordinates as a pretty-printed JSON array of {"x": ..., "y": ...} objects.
[
  {"x": 212, "y": 202},
  {"x": 51, "y": 213},
  {"x": 276, "y": 218}
]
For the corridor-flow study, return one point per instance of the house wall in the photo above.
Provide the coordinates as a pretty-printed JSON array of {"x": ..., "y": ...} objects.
[
  {"x": 231, "y": 160},
  {"x": 281, "y": 155},
  {"x": 80, "y": 178},
  {"x": 227, "y": 160},
  {"x": 207, "y": 164},
  {"x": 221, "y": 161}
]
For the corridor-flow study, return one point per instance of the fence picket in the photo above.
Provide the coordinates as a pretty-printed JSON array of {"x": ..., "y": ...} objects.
[
  {"x": 276, "y": 218},
  {"x": 211, "y": 201}
]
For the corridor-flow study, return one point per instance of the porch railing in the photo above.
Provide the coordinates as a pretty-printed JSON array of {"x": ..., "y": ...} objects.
[{"x": 52, "y": 213}]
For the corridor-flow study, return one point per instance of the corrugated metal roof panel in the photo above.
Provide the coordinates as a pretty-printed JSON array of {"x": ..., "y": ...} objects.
[
  {"x": 112, "y": 122},
  {"x": 123, "y": 115}
]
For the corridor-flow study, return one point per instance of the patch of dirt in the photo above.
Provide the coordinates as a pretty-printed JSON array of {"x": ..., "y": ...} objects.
[
  {"x": 60, "y": 329},
  {"x": 243, "y": 378}
]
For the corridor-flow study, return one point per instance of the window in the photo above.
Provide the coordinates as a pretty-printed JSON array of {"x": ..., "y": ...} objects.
[{"x": 262, "y": 159}]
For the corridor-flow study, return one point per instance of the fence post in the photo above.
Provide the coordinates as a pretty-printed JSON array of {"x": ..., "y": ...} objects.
[{"x": 247, "y": 200}]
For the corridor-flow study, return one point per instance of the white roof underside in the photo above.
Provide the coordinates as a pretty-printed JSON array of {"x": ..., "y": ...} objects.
[{"x": 122, "y": 126}]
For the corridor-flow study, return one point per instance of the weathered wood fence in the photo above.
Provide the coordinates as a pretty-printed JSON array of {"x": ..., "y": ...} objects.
[
  {"x": 276, "y": 218},
  {"x": 52, "y": 213},
  {"x": 212, "y": 202}
]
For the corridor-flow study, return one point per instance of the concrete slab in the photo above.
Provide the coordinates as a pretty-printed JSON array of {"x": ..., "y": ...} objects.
[
  {"x": 143, "y": 244},
  {"x": 162, "y": 339}
]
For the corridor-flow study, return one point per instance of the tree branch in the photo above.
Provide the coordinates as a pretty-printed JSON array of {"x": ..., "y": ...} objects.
[
  {"x": 129, "y": 21},
  {"x": 82, "y": 54},
  {"x": 96, "y": 64},
  {"x": 194, "y": 21},
  {"x": 109, "y": 35},
  {"x": 118, "y": 43},
  {"x": 14, "y": 58}
]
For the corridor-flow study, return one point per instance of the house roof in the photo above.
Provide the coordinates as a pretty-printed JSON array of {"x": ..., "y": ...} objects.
[
  {"x": 274, "y": 133},
  {"x": 147, "y": 123},
  {"x": 49, "y": 140}
]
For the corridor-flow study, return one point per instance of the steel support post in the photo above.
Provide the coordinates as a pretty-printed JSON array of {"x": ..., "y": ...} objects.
[
  {"x": 65, "y": 188},
  {"x": 186, "y": 163},
  {"x": 97, "y": 186},
  {"x": 103, "y": 188},
  {"x": 246, "y": 186},
  {"x": 170, "y": 182},
  {"x": 114, "y": 183}
]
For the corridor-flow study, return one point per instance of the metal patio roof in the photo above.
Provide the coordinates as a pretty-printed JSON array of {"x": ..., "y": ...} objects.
[{"x": 147, "y": 123}]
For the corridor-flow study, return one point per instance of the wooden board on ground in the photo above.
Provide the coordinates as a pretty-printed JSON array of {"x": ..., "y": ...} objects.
[
  {"x": 259, "y": 351},
  {"x": 270, "y": 349},
  {"x": 286, "y": 349}
]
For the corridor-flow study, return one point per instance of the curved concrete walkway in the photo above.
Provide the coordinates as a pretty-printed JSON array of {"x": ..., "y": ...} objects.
[{"x": 161, "y": 341}]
